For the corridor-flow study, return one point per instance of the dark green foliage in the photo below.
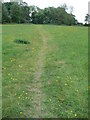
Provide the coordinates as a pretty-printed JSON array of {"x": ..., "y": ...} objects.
[
  {"x": 15, "y": 13},
  {"x": 87, "y": 18},
  {"x": 22, "y": 13},
  {"x": 0, "y": 12},
  {"x": 21, "y": 41},
  {"x": 53, "y": 16},
  {"x": 5, "y": 15}
]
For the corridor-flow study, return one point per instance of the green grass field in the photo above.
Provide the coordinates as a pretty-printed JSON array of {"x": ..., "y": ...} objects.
[{"x": 47, "y": 78}]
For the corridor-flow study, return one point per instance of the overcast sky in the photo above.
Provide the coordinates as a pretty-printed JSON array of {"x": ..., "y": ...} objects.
[{"x": 80, "y": 6}]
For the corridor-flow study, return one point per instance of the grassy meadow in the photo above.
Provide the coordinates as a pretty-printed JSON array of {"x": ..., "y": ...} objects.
[{"x": 47, "y": 78}]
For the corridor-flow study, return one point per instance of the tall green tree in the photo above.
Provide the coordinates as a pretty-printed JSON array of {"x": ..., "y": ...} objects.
[
  {"x": 15, "y": 13},
  {"x": 87, "y": 18},
  {"x": 5, "y": 14},
  {"x": 24, "y": 13}
]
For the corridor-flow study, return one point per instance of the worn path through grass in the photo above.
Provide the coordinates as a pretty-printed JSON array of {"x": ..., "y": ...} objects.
[{"x": 37, "y": 83}]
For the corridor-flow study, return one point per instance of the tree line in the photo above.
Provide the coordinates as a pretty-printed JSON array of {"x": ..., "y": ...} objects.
[{"x": 13, "y": 12}]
